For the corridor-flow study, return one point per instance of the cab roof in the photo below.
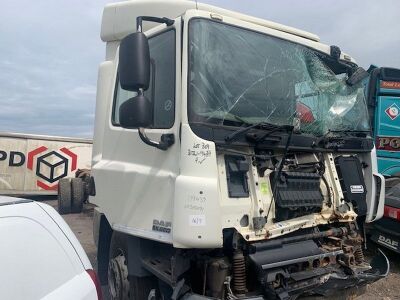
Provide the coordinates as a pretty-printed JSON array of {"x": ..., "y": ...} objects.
[{"x": 119, "y": 19}]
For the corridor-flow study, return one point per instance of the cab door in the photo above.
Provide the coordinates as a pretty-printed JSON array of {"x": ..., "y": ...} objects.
[{"x": 134, "y": 181}]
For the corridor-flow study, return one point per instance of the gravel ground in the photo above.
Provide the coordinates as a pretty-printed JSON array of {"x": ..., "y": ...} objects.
[
  {"x": 384, "y": 289},
  {"x": 389, "y": 287}
]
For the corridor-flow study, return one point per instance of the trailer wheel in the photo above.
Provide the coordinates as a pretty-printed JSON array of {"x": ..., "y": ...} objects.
[
  {"x": 64, "y": 196},
  {"x": 120, "y": 284},
  {"x": 78, "y": 195}
]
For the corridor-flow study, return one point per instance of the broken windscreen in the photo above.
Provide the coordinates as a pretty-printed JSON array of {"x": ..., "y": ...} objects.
[{"x": 238, "y": 75}]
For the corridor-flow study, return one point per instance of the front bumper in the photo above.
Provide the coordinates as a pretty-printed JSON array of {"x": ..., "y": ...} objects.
[
  {"x": 327, "y": 285},
  {"x": 379, "y": 269},
  {"x": 386, "y": 233}
]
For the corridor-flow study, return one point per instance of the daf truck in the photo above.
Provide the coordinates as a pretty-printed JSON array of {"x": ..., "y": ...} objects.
[{"x": 232, "y": 158}]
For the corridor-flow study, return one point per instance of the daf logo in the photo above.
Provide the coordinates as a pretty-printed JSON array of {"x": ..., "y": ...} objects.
[{"x": 388, "y": 242}]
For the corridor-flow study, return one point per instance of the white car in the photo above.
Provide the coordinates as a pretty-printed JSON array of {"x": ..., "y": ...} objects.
[{"x": 40, "y": 257}]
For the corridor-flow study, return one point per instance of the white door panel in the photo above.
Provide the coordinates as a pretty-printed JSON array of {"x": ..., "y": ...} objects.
[{"x": 134, "y": 181}]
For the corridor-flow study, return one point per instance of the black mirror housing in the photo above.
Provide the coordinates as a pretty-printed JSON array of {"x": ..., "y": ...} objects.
[
  {"x": 136, "y": 112},
  {"x": 134, "y": 62},
  {"x": 357, "y": 76}
]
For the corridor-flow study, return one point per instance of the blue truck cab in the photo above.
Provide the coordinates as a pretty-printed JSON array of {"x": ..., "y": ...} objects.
[
  {"x": 384, "y": 103},
  {"x": 383, "y": 96}
]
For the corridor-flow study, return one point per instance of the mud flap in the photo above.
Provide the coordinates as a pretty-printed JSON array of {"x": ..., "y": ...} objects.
[
  {"x": 386, "y": 240},
  {"x": 379, "y": 269}
]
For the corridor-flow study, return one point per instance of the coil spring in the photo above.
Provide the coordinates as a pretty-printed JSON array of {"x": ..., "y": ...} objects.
[
  {"x": 239, "y": 273},
  {"x": 359, "y": 255}
]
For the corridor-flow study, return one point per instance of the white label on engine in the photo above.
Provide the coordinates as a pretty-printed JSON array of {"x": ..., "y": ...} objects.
[
  {"x": 356, "y": 189},
  {"x": 197, "y": 220}
]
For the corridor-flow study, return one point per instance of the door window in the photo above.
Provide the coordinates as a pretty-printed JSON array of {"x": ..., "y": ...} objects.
[{"x": 162, "y": 82}]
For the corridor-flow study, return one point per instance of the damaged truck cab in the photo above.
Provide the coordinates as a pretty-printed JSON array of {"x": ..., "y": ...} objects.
[{"x": 232, "y": 158}]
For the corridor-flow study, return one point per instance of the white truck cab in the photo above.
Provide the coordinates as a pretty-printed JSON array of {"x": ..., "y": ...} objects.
[{"x": 232, "y": 157}]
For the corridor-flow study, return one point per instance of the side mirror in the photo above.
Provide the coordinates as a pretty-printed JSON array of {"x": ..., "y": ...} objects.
[
  {"x": 134, "y": 62},
  {"x": 134, "y": 76},
  {"x": 136, "y": 112},
  {"x": 358, "y": 75}
]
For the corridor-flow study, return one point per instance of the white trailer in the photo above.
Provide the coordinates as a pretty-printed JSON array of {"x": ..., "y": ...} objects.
[{"x": 33, "y": 164}]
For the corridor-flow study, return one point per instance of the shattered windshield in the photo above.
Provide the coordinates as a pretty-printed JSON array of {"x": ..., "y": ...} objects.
[{"x": 239, "y": 76}]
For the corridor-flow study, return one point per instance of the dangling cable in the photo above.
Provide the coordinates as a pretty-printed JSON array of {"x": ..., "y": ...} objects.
[{"x": 278, "y": 173}]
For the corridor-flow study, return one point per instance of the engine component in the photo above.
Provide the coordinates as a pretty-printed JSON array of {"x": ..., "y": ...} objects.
[
  {"x": 359, "y": 255},
  {"x": 217, "y": 271},
  {"x": 236, "y": 175},
  {"x": 297, "y": 194},
  {"x": 292, "y": 265},
  {"x": 333, "y": 232},
  {"x": 239, "y": 273},
  {"x": 302, "y": 159},
  {"x": 285, "y": 254},
  {"x": 352, "y": 182}
]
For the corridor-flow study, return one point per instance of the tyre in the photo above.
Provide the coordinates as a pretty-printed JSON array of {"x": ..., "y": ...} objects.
[
  {"x": 78, "y": 195},
  {"x": 86, "y": 181},
  {"x": 84, "y": 174},
  {"x": 121, "y": 286},
  {"x": 64, "y": 196}
]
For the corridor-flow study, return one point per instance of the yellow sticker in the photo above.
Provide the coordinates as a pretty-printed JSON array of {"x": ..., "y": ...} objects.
[{"x": 264, "y": 188}]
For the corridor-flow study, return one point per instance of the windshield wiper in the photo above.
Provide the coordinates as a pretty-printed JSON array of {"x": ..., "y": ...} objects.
[
  {"x": 344, "y": 131},
  {"x": 347, "y": 133},
  {"x": 263, "y": 125},
  {"x": 350, "y": 131}
]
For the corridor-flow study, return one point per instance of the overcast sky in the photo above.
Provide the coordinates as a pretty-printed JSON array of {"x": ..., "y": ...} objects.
[{"x": 50, "y": 51}]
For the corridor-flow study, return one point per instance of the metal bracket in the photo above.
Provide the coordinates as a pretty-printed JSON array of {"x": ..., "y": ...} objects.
[{"x": 167, "y": 140}]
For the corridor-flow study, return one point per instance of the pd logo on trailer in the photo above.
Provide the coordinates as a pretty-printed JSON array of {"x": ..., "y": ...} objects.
[
  {"x": 51, "y": 166},
  {"x": 392, "y": 111}
]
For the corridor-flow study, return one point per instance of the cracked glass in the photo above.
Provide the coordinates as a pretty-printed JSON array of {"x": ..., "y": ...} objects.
[{"x": 240, "y": 76}]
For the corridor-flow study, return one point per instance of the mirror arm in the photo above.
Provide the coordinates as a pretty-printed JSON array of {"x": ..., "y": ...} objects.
[
  {"x": 140, "y": 19},
  {"x": 167, "y": 140}
]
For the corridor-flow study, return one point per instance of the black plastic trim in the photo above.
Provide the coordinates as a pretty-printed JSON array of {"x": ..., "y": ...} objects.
[
  {"x": 299, "y": 142},
  {"x": 115, "y": 124}
]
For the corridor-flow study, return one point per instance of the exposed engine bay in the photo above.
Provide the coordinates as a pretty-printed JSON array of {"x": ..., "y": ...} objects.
[
  {"x": 303, "y": 237},
  {"x": 299, "y": 190},
  {"x": 317, "y": 261}
]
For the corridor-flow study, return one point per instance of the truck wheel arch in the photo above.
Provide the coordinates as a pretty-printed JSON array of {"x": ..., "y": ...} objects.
[{"x": 102, "y": 233}]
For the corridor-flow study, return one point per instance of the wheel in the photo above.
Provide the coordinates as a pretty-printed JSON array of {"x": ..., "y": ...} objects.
[
  {"x": 64, "y": 196},
  {"x": 86, "y": 181},
  {"x": 78, "y": 195},
  {"x": 84, "y": 174},
  {"x": 122, "y": 286}
]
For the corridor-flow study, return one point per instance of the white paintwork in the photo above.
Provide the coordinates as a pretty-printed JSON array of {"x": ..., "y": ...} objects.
[
  {"x": 372, "y": 177},
  {"x": 40, "y": 256},
  {"x": 20, "y": 180},
  {"x": 124, "y": 165},
  {"x": 119, "y": 19},
  {"x": 137, "y": 184}
]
